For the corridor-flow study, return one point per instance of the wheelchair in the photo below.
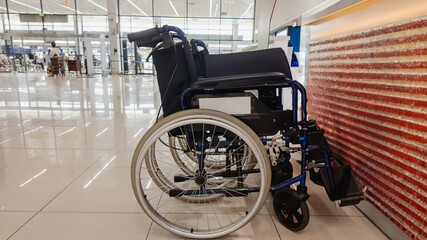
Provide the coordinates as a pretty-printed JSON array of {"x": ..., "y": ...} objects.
[{"x": 224, "y": 143}]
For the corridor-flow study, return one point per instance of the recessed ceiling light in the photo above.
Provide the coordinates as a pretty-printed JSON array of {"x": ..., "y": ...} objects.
[
  {"x": 139, "y": 9},
  {"x": 246, "y": 11},
  {"x": 71, "y": 9},
  {"x": 29, "y": 6},
  {"x": 96, "y": 4},
  {"x": 173, "y": 7}
]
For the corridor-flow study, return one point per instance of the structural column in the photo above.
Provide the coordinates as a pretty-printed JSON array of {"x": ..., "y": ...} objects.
[
  {"x": 235, "y": 36},
  {"x": 114, "y": 31}
]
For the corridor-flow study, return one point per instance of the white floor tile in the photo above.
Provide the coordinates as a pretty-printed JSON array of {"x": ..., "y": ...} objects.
[
  {"x": 261, "y": 227},
  {"x": 98, "y": 190},
  {"x": 68, "y": 147},
  {"x": 60, "y": 158},
  {"x": 12, "y": 221},
  {"x": 118, "y": 158},
  {"x": 31, "y": 188},
  {"x": 54, "y": 226},
  {"x": 333, "y": 228}
]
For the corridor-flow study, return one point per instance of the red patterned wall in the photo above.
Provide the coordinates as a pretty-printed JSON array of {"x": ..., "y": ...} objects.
[{"x": 368, "y": 90}]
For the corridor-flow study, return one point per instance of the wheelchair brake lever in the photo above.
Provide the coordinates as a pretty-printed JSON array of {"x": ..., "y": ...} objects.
[
  {"x": 167, "y": 42},
  {"x": 167, "y": 39}
]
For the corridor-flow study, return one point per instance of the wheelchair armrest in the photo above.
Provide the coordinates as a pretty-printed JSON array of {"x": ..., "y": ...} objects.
[{"x": 241, "y": 81}]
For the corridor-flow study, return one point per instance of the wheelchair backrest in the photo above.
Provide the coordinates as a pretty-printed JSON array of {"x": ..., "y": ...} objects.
[
  {"x": 165, "y": 62},
  {"x": 199, "y": 59}
]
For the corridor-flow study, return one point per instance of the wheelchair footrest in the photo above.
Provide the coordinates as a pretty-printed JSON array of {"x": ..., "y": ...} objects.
[
  {"x": 351, "y": 200},
  {"x": 345, "y": 188}
]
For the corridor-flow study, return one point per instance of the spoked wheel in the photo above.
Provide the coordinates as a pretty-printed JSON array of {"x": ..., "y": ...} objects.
[
  {"x": 160, "y": 184},
  {"x": 293, "y": 218}
]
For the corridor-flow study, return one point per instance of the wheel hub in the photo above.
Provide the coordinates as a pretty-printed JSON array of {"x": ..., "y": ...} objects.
[{"x": 200, "y": 177}]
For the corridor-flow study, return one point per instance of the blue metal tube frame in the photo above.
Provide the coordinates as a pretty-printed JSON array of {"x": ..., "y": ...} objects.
[
  {"x": 201, "y": 44},
  {"x": 294, "y": 101},
  {"x": 327, "y": 165}
]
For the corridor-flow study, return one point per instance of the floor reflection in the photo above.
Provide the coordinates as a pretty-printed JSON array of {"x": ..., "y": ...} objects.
[{"x": 56, "y": 109}]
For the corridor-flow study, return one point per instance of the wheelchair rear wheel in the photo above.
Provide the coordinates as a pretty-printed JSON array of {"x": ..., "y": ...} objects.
[{"x": 160, "y": 185}]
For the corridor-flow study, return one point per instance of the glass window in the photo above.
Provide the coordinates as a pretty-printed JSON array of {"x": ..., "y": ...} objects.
[
  {"x": 16, "y": 25},
  {"x": 172, "y": 21},
  {"x": 134, "y": 24},
  {"x": 97, "y": 24},
  {"x": 245, "y": 29},
  {"x": 204, "y": 29}
]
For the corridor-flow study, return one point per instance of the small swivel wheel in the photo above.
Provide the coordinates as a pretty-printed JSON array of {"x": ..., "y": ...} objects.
[{"x": 294, "y": 217}]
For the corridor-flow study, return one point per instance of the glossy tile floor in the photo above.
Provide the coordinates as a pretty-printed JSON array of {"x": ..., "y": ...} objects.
[{"x": 65, "y": 151}]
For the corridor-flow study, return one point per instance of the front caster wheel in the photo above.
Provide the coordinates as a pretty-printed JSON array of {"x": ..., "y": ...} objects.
[{"x": 294, "y": 218}]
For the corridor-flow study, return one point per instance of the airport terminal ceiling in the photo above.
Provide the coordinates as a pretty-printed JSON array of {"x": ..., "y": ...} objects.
[
  {"x": 224, "y": 25},
  {"x": 176, "y": 8}
]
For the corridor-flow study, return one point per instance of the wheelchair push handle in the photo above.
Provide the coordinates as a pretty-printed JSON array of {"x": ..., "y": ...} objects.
[
  {"x": 146, "y": 38},
  {"x": 151, "y": 37}
]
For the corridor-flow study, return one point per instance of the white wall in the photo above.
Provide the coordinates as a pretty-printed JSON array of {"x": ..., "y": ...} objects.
[
  {"x": 287, "y": 11},
  {"x": 263, "y": 10}
]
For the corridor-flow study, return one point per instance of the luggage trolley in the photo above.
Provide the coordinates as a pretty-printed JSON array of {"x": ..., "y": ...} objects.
[{"x": 224, "y": 142}]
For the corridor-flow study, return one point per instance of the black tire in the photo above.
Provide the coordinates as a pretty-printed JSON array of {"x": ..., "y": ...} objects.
[{"x": 296, "y": 219}]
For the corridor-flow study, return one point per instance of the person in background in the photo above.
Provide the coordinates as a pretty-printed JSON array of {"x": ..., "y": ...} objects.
[
  {"x": 19, "y": 57},
  {"x": 54, "y": 50},
  {"x": 85, "y": 57},
  {"x": 140, "y": 64},
  {"x": 30, "y": 56},
  {"x": 3, "y": 56},
  {"x": 38, "y": 61}
]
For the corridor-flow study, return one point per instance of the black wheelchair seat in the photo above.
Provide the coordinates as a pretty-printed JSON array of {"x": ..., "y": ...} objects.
[{"x": 248, "y": 81}]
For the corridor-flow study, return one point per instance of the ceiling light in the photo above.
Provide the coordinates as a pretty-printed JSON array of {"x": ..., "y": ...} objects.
[
  {"x": 29, "y": 6},
  {"x": 68, "y": 8},
  {"x": 96, "y": 4},
  {"x": 246, "y": 11},
  {"x": 139, "y": 9},
  {"x": 174, "y": 9}
]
